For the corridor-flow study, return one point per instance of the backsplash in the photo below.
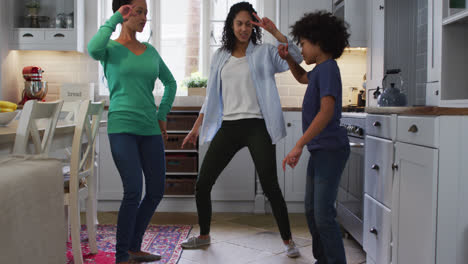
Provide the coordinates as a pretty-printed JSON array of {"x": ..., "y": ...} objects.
[
  {"x": 352, "y": 67},
  {"x": 74, "y": 67}
]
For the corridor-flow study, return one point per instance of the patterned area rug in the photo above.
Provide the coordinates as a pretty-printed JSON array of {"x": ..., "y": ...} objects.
[{"x": 163, "y": 240}]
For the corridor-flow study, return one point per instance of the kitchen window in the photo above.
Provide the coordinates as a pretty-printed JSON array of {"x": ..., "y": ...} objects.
[{"x": 185, "y": 32}]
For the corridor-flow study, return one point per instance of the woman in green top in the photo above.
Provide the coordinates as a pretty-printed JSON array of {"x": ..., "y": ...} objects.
[{"x": 135, "y": 126}]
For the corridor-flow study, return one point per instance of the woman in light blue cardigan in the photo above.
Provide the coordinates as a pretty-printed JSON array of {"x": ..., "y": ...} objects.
[{"x": 242, "y": 109}]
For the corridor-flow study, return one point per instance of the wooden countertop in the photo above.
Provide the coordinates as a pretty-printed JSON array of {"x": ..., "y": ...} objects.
[
  {"x": 418, "y": 110},
  {"x": 197, "y": 108}
]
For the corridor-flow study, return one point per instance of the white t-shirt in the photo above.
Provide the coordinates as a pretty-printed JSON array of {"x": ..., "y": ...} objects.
[{"x": 238, "y": 91}]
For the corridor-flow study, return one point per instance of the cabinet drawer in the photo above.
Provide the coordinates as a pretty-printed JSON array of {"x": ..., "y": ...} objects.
[
  {"x": 381, "y": 126},
  {"x": 377, "y": 223},
  {"x": 418, "y": 130},
  {"x": 60, "y": 36},
  {"x": 181, "y": 163},
  {"x": 27, "y": 36},
  {"x": 378, "y": 169}
]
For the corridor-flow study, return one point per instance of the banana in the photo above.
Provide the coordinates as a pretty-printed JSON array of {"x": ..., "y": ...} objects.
[
  {"x": 4, "y": 110},
  {"x": 5, "y": 105}
]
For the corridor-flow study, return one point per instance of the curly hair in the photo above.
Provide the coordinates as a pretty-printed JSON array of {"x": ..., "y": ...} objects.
[
  {"x": 323, "y": 29},
  {"x": 116, "y": 4},
  {"x": 229, "y": 39}
]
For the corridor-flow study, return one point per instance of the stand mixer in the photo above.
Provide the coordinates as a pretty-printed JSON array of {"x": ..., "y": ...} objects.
[{"x": 34, "y": 87}]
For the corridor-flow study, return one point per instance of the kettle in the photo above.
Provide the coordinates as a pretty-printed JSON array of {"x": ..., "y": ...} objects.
[{"x": 392, "y": 84}]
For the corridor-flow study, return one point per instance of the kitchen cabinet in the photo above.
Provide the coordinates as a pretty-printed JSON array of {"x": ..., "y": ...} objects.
[
  {"x": 109, "y": 182},
  {"x": 290, "y": 11},
  {"x": 428, "y": 181},
  {"x": 353, "y": 13},
  {"x": 415, "y": 223},
  {"x": 378, "y": 187},
  {"x": 375, "y": 48},
  {"x": 41, "y": 32},
  {"x": 447, "y": 57},
  {"x": 294, "y": 179}
]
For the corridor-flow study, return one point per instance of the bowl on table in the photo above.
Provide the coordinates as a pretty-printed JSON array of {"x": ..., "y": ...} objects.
[{"x": 7, "y": 117}]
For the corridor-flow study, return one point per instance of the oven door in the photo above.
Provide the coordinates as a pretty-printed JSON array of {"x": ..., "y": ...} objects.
[{"x": 350, "y": 200}]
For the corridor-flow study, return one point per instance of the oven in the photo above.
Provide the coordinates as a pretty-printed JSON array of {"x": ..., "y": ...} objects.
[{"x": 350, "y": 198}]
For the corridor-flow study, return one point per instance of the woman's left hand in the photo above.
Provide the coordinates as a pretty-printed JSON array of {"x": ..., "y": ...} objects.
[
  {"x": 292, "y": 158},
  {"x": 163, "y": 127},
  {"x": 265, "y": 23}
]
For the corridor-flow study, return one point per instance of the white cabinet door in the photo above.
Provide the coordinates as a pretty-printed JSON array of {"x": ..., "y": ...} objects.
[
  {"x": 237, "y": 181},
  {"x": 378, "y": 169},
  {"x": 375, "y": 50},
  {"x": 295, "y": 179},
  {"x": 109, "y": 182},
  {"x": 291, "y": 11},
  {"x": 414, "y": 216}
]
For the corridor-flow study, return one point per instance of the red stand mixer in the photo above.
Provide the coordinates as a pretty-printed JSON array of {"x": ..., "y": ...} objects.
[{"x": 34, "y": 87}]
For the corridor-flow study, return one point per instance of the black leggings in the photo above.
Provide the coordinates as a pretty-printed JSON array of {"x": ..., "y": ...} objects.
[{"x": 231, "y": 137}]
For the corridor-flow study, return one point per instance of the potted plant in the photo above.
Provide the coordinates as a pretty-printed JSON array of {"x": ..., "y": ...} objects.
[
  {"x": 196, "y": 84},
  {"x": 33, "y": 7}
]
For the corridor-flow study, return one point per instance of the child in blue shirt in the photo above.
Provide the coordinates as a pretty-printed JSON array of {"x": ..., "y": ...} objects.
[{"x": 323, "y": 37}]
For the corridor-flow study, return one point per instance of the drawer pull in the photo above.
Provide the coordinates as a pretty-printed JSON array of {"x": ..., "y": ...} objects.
[
  {"x": 376, "y": 124},
  {"x": 375, "y": 167},
  {"x": 28, "y": 35},
  {"x": 289, "y": 124},
  {"x": 413, "y": 129},
  {"x": 59, "y": 35},
  {"x": 373, "y": 230},
  {"x": 394, "y": 166}
]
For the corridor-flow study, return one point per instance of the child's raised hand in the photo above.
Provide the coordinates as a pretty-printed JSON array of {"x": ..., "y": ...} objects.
[
  {"x": 265, "y": 23},
  {"x": 126, "y": 11},
  {"x": 283, "y": 51}
]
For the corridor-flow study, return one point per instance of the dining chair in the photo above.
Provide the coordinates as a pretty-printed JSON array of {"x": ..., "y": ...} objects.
[
  {"x": 33, "y": 116},
  {"x": 82, "y": 183}
]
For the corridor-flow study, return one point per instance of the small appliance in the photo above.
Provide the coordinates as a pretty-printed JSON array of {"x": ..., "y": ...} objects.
[{"x": 34, "y": 87}]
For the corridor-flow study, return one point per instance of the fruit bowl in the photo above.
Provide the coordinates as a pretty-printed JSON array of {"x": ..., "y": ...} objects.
[{"x": 7, "y": 117}]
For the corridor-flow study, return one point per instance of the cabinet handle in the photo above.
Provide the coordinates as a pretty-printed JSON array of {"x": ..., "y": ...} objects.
[
  {"x": 375, "y": 167},
  {"x": 381, "y": 7},
  {"x": 374, "y": 231},
  {"x": 289, "y": 124},
  {"x": 59, "y": 35},
  {"x": 394, "y": 166},
  {"x": 376, "y": 124},
  {"x": 413, "y": 129},
  {"x": 28, "y": 35}
]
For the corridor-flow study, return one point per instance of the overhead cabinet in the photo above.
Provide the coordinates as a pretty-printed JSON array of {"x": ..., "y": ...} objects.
[{"x": 51, "y": 25}]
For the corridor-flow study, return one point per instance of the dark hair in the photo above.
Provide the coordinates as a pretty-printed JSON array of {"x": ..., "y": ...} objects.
[
  {"x": 229, "y": 39},
  {"x": 323, "y": 29},
  {"x": 116, "y": 4}
]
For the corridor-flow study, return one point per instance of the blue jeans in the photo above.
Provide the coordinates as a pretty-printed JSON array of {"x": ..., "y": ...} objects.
[
  {"x": 323, "y": 177},
  {"x": 134, "y": 154}
]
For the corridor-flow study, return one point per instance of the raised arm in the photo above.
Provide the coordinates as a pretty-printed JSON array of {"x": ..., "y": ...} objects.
[
  {"x": 97, "y": 45},
  {"x": 279, "y": 63},
  {"x": 298, "y": 72}
]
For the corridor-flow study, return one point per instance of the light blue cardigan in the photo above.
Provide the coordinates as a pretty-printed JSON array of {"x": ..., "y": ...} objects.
[{"x": 264, "y": 61}]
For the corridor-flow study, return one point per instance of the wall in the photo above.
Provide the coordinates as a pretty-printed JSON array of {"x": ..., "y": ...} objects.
[{"x": 352, "y": 67}]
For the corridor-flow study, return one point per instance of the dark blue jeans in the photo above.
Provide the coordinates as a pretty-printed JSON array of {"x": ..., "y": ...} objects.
[
  {"x": 133, "y": 155},
  {"x": 323, "y": 177}
]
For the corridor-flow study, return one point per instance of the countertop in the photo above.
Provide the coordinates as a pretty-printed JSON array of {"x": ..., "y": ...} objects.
[{"x": 418, "y": 110}]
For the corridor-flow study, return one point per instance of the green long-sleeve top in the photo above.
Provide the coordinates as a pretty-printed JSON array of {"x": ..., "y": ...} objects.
[{"x": 131, "y": 81}]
